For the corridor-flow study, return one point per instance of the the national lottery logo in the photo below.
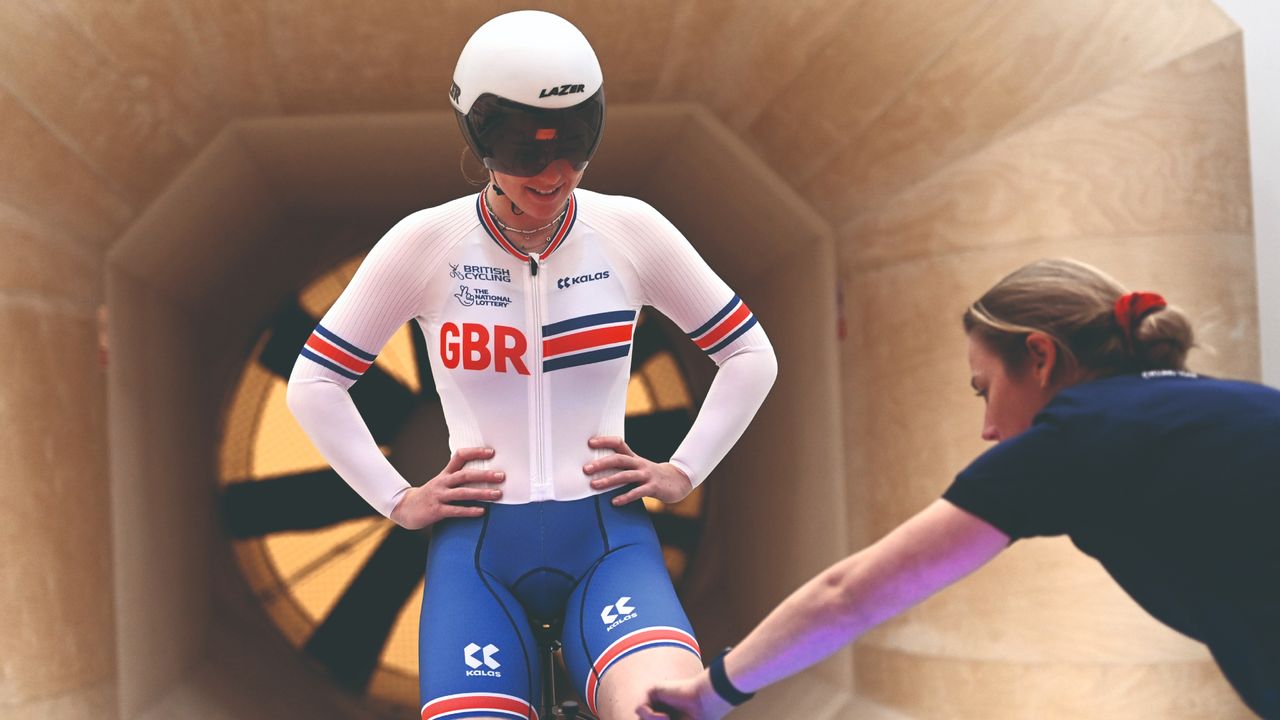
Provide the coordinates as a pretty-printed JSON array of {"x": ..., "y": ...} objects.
[
  {"x": 618, "y": 613},
  {"x": 479, "y": 272},
  {"x": 481, "y": 660},
  {"x": 481, "y": 297}
]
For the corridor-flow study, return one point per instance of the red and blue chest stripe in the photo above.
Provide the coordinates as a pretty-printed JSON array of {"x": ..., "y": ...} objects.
[{"x": 587, "y": 339}]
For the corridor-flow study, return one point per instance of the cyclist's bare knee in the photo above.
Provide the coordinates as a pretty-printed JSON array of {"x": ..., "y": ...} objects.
[{"x": 627, "y": 683}]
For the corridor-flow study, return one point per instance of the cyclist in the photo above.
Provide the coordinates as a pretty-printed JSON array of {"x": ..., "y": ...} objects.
[
  {"x": 528, "y": 294},
  {"x": 1166, "y": 477}
]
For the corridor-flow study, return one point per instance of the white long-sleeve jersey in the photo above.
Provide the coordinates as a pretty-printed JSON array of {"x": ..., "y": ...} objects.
[{"x": 530, "y": 354}]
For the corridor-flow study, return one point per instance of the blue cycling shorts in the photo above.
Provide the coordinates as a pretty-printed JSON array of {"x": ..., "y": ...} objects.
[{"x": 598, "y": 566}]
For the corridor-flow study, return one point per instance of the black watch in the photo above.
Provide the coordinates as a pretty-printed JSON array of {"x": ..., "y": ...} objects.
[{"x": 720, "y": 682}]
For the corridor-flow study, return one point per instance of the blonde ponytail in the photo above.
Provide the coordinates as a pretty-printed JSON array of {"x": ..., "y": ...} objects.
[{"x": 1077, "y": 306}]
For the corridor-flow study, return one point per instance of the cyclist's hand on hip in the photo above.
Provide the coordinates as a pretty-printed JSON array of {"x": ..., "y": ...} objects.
[
  {"x": 427, "y": 504},
  {"x": 663, "y": 481},
  {"x": 686, "y": 699}
]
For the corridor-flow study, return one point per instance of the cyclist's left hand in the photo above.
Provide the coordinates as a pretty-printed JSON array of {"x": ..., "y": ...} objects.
[{"x": 663, "y": 481}]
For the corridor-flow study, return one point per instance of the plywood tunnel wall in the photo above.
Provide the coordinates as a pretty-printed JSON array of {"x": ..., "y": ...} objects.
[
  {"x": 908, "y": 152},
  {"x": 1148, "y": 180}
]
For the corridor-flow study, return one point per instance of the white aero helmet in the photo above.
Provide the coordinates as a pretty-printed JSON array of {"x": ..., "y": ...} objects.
[{"x": 528, "y": 90}]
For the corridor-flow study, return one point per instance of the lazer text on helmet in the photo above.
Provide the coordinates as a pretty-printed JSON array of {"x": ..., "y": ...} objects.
[{"x": 562, "y": 90}]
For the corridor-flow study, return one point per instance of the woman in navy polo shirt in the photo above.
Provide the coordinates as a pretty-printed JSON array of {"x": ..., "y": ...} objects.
[{"x": 1170, "y": 479}]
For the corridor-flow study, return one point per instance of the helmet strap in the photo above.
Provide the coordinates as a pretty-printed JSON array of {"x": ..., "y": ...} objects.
[{"x": 497, "y": 189}]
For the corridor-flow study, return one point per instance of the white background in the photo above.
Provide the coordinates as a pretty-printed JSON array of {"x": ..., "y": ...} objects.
[{"x": 1260, "y": 20}]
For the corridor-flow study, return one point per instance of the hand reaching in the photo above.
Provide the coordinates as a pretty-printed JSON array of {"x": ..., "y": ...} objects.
[{"x": 687, "y": 699}]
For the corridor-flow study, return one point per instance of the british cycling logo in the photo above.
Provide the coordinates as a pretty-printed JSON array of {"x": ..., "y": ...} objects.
[
  {"x": 481, "y": 297},
  {"x": 618, "y": 613},
  {"x": 485, "y": 659},
  {"x": 479, "y": 272},
  {"x": 568, "y": 282}
]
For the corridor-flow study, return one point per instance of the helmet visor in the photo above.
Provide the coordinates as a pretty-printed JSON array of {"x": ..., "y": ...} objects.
[{"x": 517, "y": 139}]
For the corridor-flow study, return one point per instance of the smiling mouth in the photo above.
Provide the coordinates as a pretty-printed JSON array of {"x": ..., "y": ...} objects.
[{"x": 543, "y": 193}]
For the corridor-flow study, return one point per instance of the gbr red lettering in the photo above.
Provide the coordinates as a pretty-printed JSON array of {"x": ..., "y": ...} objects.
[{"x": 469, "y": 346}]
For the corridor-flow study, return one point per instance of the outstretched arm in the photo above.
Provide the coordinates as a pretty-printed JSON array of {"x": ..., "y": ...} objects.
[{"x": 930, "y": 551}]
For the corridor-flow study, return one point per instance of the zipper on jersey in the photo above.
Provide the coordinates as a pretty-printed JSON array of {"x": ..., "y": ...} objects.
[{"x": 541, "y": 488}]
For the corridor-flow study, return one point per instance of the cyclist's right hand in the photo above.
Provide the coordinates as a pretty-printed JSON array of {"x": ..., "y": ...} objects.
[{"x": 434, "y": 501}]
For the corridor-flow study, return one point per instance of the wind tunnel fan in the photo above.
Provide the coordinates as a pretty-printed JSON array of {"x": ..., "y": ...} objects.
[{"x": 340, "y": 582}]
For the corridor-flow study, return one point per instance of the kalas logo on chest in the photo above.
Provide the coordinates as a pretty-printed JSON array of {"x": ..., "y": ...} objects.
[{"x": 568, "y": 282}]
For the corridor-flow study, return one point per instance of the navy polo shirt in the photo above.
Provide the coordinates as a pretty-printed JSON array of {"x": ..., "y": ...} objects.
[{"x": 1172, "y": 481}]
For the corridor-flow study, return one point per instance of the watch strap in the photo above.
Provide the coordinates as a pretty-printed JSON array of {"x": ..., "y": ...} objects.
[{"x": 721, "y": 684}]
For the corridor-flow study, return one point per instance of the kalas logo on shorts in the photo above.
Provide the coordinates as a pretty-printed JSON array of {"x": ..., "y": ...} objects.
[
  {"x": 486, "y": 659},
  {"x": 567, "y": 282},
  {"x": 618, "y": 613}
]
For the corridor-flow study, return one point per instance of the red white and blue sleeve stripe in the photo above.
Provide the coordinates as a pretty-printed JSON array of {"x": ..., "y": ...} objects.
[
  {"x": 731, "y": 323},
  {"x": 327, "y": 349}
]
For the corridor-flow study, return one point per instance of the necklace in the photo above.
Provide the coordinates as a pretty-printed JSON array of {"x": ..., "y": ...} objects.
[{"x": 507, "y": 228}]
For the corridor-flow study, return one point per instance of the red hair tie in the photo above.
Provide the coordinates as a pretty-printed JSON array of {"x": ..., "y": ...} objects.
[{"x": 1132, "y": 308}]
